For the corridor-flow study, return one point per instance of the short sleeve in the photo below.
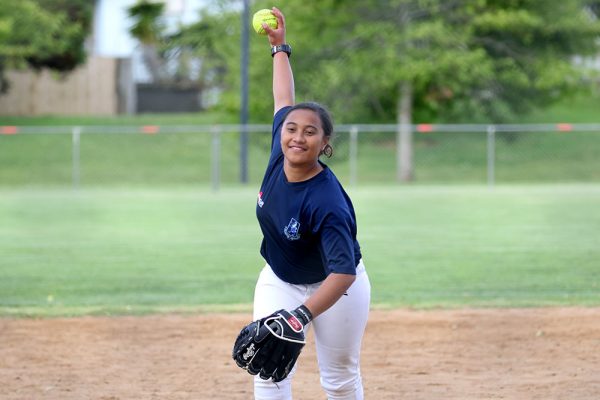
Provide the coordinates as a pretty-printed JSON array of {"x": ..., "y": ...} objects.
[{"x": 337, "y": 243}]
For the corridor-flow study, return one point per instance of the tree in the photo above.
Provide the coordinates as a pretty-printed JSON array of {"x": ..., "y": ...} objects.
[
  {"x": 438, "y": 59},
  {"x": 149, "y": 30},
  {"x": 210, "y": 42},
  {"x": 420, "y": 60},
  {"x": 43, "y": 34},
  {"x": 594, "y": 7}
]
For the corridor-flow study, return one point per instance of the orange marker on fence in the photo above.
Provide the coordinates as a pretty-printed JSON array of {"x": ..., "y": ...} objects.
[
  {"x": 564, "y": 127},
  {"x": 150, "y": 129},
  {"x": 424, "y": 128},
  {"x": 9, "y": 130}
]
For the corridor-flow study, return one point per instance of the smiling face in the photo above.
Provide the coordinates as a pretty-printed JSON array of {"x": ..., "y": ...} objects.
[{"x": 302, "y": 138}]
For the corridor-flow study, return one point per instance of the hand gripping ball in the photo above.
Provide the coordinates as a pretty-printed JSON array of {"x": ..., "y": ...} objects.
[{"x": 265, "y": 15}]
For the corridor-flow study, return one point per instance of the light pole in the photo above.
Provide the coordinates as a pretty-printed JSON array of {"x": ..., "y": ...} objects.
[{"x": 244, "y": 94}]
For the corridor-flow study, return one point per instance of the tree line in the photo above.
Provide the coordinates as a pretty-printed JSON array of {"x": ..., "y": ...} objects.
[
  {"x": 372, "y": 60},
  {"x": 43, "y": 34}
]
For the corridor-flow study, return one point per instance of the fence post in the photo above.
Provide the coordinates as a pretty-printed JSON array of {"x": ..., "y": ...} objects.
[
  {"x": 353, "y": 150},
  {"x": 491, "y": 155},
  {"x": 75, "y": 169},
  {"x": 215, "y": 158}
]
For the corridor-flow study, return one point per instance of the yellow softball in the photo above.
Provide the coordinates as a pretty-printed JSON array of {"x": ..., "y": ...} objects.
[{"x": 265, "y": 15}]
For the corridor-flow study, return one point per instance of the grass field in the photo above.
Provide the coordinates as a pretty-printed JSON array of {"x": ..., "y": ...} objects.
[
  {"x": 115, "y": 251},
  {"x": 145, "y": 234}
]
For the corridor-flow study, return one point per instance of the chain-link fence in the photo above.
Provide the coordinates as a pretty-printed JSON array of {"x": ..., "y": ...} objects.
[{"x": 363, "y": 154}]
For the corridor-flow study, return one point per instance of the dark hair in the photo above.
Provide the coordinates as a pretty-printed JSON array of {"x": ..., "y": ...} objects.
[{"x": 324, "y": 116}]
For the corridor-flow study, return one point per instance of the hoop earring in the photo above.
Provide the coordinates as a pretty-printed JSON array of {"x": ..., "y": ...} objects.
[{"x": 327, "y": 150}]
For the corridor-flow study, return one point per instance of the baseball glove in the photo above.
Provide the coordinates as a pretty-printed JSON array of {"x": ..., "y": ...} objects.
[{"x": 270, "y": 346}]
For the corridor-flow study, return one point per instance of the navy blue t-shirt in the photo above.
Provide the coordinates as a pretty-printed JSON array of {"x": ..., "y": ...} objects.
[{"x": 309, "y": 227}]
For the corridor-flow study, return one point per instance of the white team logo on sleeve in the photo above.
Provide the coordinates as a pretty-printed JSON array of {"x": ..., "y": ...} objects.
[{"x": 292, "y": 230}]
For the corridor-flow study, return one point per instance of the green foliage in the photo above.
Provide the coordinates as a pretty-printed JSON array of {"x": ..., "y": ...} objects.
[
  {"x": 482, "y": 60},
  {"x": 43, "y": 33},
  {"x": 214, "y": 40},
  {"x": 147, "y": 27}
]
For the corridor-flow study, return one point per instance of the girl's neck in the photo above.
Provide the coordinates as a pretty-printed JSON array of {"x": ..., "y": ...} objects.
[{"x": 301, "y": 173}]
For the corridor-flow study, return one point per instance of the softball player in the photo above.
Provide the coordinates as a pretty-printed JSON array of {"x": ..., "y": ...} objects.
[{"x": 310, "y": 247}]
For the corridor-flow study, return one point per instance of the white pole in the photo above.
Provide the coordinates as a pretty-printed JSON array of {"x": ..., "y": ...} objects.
[
  {"x": 76, "y": 174},
  {"x": 353, "y": 154},
  {"x": 491, "y": 155},
  {"x": 216, "y": 158}
]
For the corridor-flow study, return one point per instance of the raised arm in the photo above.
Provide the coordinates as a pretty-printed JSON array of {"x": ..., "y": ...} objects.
[{"x": 283, "y": 79}]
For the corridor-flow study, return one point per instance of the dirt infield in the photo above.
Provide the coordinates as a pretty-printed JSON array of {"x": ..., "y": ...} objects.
[{"x": 547, "y": 353}]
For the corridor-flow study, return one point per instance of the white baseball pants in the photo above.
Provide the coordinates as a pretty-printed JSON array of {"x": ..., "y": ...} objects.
[{"x": 338, "y": 334}]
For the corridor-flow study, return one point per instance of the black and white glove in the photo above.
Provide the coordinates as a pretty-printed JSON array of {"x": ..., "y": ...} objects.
[{"x": 270, "y": 346}]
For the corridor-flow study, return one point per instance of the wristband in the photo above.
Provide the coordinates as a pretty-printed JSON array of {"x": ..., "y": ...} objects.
[
  {"x": 286, "y": 48},
  {"x": 303, "y": 314}
]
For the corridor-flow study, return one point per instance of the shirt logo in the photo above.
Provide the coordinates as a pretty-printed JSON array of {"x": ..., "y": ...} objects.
[
  {"x": 260, "y": 201},
  {"x": 292, "y": 230}
]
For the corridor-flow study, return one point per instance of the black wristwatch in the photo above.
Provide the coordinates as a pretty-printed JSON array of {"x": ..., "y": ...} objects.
[{"x": 286, "y": 48}]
